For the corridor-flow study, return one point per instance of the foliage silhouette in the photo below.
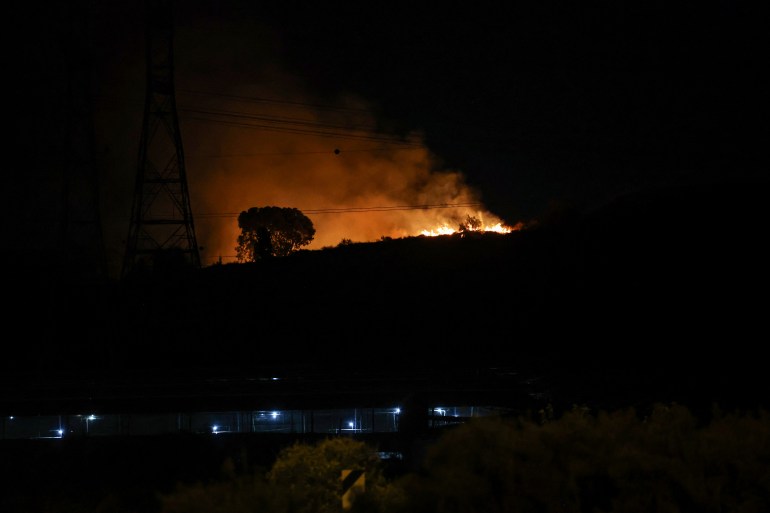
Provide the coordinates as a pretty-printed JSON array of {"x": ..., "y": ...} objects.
[
  {"x": 617, "y": 461},
  {"x": 272, "y": 232},
  {"x": 666, "y": 461},
  {"x": 305, "y": 478}
]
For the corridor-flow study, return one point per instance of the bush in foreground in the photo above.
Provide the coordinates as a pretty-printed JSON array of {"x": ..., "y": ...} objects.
[{"x": 581, "y": 462}]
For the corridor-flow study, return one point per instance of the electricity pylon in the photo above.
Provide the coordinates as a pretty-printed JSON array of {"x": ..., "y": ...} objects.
[{"x": 161, "y": 228}]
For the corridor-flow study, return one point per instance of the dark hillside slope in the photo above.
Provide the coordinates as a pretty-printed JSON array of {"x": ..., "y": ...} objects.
[
  {"x": 405, "y": 302},
  {"x": 665, "y": 293},
  {"x": 661, "y": 294}
]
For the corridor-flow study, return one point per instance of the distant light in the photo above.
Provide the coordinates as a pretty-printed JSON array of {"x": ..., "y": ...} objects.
[
  {"x": 11, "y": 417},
  {"x": 397, "y": 411},
  {"x": 384, "y": 455},
  {"x": 214, "y": 429},
  {"x": 275, "y": 379},
  {"x": 60, "y": 431},
  {"x": 275, "y": 414},
  {"x": 92, "y": 417},
  {"x": 351, "y": 424}
]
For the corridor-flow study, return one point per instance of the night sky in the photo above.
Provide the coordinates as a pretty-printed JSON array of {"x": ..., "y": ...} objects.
[{"x": 340, "y": 106}]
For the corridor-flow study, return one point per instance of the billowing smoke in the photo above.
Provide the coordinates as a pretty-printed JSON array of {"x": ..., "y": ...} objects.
[
  {"x": 254, "y": 135},
  {"x": 352, "y": 183}
]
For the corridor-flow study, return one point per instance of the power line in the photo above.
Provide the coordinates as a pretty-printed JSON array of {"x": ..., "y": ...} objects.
[
  {"x": 357, "y": 210},
  {"x": 318, "y": 152},
  {"x": 484, "y": 131},
  {"x": 256, "y": 99},
  {"x": 296, "y": 125},
  {"x": 345, "y": 210},
  {"x": 292, "y": 125},
  {"x": 279, "y": 119},
  {"x": 317, "y": 133}
]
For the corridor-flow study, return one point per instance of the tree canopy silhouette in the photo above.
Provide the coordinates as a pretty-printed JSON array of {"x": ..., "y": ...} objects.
[{"x": 272, "y": 232}]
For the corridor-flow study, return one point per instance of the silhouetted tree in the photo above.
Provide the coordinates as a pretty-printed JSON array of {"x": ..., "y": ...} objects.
[
  {"x": 305, "y": 478},
  {"x": 272, "y": 231}
]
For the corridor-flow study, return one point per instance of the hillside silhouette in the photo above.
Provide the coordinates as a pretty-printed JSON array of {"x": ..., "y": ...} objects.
[{"x": 658, "y": 295}]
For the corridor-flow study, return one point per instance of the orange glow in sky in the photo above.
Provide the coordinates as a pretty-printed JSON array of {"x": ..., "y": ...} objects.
[
  {"x": 352, "y": 183},
  {"x": 254, "y": 135}
]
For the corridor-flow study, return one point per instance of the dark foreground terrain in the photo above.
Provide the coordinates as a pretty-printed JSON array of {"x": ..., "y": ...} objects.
[{"x": 658, "y": 297}]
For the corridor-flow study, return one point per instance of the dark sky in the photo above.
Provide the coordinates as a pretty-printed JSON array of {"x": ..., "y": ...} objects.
[
  {"x": 516, "y": 107},
  {"x": 539, "y": 101}
]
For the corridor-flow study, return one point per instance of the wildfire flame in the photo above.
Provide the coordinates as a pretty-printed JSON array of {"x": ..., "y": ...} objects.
[{"x": 448, "y": 230}]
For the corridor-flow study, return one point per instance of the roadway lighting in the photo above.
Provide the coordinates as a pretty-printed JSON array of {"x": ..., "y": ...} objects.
[{"x": 89, "y": 418}]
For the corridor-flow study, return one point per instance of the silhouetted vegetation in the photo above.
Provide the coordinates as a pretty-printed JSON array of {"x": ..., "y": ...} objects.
[
  {"x": 618, "y": 462},
  {"x": 653, "y": 297},
  {"x": 272, "y": 232},
  {"x": 662, "y": 459}
]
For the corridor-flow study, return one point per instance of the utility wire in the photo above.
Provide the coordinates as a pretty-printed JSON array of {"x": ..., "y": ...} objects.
[
  {"x": 292, "y": 125},
  {"x": 317, "y": 133},
  {"x": 256, "y": 99},
  {"x": 357, "y": 210},
  {"x": 274, "y": 153},
  {"x": 345, "y": 210},
  {"x": 279, "y": 119}
]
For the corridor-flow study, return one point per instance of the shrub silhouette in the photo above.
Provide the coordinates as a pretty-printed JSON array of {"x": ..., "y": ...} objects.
[
  {"x": 581, "y": 462},
  {"x": 606, "y": 462}
]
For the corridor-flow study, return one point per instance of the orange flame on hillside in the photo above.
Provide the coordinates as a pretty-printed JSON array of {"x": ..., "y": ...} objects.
[{"x": 448, "y": 230}]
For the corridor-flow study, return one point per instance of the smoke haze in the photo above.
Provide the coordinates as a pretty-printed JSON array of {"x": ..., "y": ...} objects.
[
  {"x": 351, "y": 189},
  {"x": 255, "y": 135}
]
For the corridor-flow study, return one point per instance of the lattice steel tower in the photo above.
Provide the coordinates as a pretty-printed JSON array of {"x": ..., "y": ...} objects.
[{"x": 161, "y": 227}]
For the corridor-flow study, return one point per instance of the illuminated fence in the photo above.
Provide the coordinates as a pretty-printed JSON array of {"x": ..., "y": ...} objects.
[{"x": 337, "y": 421}]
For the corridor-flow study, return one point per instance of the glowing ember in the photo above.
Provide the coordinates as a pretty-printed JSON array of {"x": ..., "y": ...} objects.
[
  {"x": 472, "y": 224},
  {"x": 446, "y": 230},
  {"x": 499, "y": 228}
]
